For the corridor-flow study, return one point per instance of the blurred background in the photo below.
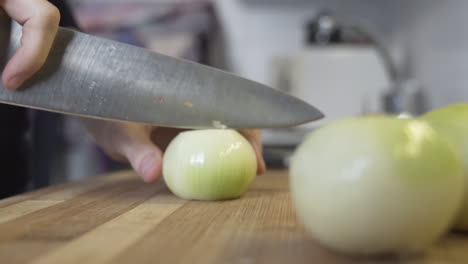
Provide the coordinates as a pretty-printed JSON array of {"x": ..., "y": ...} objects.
[{"x": 347, "y": 57}]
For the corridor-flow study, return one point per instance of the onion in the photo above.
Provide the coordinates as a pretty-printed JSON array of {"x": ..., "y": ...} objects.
[
  {"x": 212, "y": 164},
  {"x": 376, "y": 185},
  {"x": 452, "y": 122}
]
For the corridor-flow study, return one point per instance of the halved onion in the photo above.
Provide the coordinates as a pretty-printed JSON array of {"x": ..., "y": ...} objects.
[
  {"x": 212, "y": 164},
  {"x": 374, "y": 185}
]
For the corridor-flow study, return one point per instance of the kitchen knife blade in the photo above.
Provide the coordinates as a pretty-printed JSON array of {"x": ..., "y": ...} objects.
[{"x": 96, "y": 77}]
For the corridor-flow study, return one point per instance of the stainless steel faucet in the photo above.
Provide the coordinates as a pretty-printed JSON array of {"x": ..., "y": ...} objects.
[{"x": 405, "y": 94}]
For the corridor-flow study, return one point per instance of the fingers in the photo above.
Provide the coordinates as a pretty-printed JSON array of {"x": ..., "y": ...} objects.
[
  {"x": 141, "y": 145},
  {"x": 129, "y": 142},
  {"x": 40, "y": 21},
  {"x": 254, "y": 137},
  {"x": 162, "y": 136}
]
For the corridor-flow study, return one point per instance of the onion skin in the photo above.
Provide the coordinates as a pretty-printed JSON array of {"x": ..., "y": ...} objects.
[
  {"x": 452, "y": 122},
  {"x": 376, "y": 185},
  {"x": 212, "y": 164}
]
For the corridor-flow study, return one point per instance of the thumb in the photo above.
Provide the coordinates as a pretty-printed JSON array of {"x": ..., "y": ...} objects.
[
  {"x": 144, "y": 157},
  {"x": 130, "y": 142}
]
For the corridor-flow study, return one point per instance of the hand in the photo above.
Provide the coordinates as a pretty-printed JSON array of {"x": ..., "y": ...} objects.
[
  {"x": 143, "y": 146},
  {"x": 40, "y": 21}
]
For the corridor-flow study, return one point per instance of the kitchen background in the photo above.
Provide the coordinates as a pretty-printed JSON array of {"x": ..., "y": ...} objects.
[{"x": 347, "y": 57}]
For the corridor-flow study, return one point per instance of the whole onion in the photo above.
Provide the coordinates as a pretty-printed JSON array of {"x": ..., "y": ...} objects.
[
  {"x": 374, "y": 185},
  {"x": 452, "y": 122}
]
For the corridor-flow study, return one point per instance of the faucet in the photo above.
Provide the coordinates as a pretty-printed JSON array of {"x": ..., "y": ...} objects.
[{"x": 404, "y": 94}]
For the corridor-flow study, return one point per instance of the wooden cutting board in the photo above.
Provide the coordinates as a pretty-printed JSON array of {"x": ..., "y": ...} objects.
[{"x": 118, "y": 219}]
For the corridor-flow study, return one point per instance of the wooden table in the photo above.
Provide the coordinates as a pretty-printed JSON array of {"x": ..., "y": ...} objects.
[{"x": 118, "y": 219}]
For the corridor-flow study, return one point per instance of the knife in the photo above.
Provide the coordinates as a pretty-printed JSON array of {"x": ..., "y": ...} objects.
[{"x": 95, "y": 77}]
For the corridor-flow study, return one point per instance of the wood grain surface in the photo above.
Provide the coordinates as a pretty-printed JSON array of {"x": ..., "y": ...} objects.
[{"x": 116, "y": 218}]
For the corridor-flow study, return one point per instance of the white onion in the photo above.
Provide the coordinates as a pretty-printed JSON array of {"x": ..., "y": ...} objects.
[
  {"x": 212, "y": 164},
  {"x": 452, "y": 122},
  {"x": 375, "y": 185}
]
